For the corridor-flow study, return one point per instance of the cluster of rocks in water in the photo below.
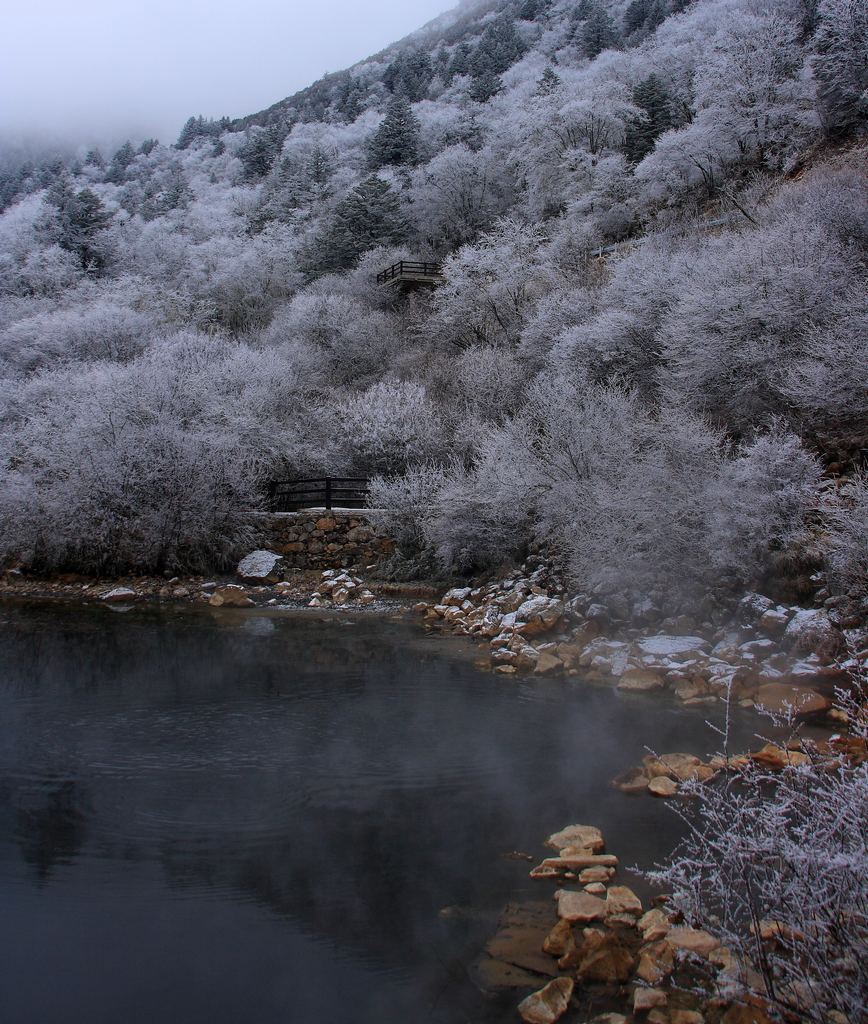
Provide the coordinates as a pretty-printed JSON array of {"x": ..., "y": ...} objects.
[
  {"x": 755, "y": 651},
  {"x": 667, "y": 775},
  {"x": 606, "y": 949}
]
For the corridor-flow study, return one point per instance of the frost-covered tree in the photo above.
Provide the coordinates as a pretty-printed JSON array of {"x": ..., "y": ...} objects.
[{"x": 841, "y": 64}]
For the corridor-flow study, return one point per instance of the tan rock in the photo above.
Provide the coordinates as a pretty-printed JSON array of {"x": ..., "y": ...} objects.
[
  {"x": 686, "y": 1017},
  {"x": 585, "y": 836},
  {"x": 577, "y": 862},
  {"x": 603, "y": 958},
  {"x": 231, "y": 596},
  {"x": 595, "y": 888},
  {"x": 579, "y": 906},
  {"x": 638, "y": 680},
  {"x": 662, "y": 786},
  {"x": 780, "y": 697},
  {"x": 547, "y": 663},
  {"x": 559, "y": 939},
  {"x": 549, "y": 1004},
  {"x": 654, "y": 925},
  {"x": 693, "y": 940},
  {"x": 679, "y": 767},
  {"x": 538, "y": 615},
  {"x": 645, "y": 999},
  {"x": 656, "y": 962},
  {"x": 777, "y": 757},
  {"x": 633, "y": 782},
  {"x": 590, "y": 875},
  {"x": 610, "y": 1018},
  {"x": 621, "y": 900}
]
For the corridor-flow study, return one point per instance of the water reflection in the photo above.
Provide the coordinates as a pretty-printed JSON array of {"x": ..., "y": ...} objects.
[{"x": 268, "y": 813}]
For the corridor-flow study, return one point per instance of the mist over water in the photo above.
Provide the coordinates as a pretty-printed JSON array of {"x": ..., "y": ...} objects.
[{"x": 214, "y": 817}]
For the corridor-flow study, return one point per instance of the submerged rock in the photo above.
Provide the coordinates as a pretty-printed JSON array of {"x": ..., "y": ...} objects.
[{"x": 783, "y": 699}]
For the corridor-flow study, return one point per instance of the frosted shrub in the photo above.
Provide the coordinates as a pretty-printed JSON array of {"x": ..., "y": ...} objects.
[
  {"x": 848, "y": 551},
  {"x": 775, "y": 865},
  {"x": 391, "y": 425},
  {"x": 626, "y": 497}
]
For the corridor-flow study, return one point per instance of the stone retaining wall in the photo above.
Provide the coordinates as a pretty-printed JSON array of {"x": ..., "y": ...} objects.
[{"x": 316, "y": 539}]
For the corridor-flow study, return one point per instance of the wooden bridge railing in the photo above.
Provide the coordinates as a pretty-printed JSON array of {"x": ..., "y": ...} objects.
[
  {"x": 320, "y": 492},
  {"x": 407, "y": 270}
]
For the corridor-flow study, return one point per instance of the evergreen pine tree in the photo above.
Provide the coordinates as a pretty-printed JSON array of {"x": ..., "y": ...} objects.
[
  {"x": 117, "y": 171},
  {"x": 484, "y": 86},
  {"x": 635, "y": 15},
  {"x": 651, "y": 96},
  {"x": 499, "y": 48},
  {"x": 548, "y": 82},
  {"x": 598, "y": 33},
  {"x": 80, "y": 217},
  {"x": 396, "y": 141},
  {"x": 368, "y": 216},
  {"x": 461, "y": 60}
]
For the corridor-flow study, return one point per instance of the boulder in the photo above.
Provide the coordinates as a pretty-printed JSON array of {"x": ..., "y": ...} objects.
[
  {"x": 603, "y": 958},
  {"x": 261, "y": 567},
  {"x": 547, "y": 663},
  {"x": 634, "y": 781},
  {"x": 645, "y": 999},
  {"x": 784, "y": 699},
  {"x": 588, "y": 876},
  {"x": 692, "y": 940},
  {"x": 810, "y": 629},
  {"x": 230, "y": 596},
  {"x": 640, "y": 680},
  {"x": 656, "y": 962},
  {"x": 538, "y": 615},
  {"x": 456, "y": 597},
  {"x": 774, "y": 622},
  {"x": 549, "y": 1004},
  {"x": 579, "y": 906},
  {"x": 752, "y": 607},
  {"x": 118, "y": 595},
  {"x": 654, "y": 925},
  {"x": 679, "y": 767},
  {"x": 776, "y": 757},
  {"x": 559, "y": 940},
  {"x": 662, "y": 786},
  {"x": 609, "y": 656},
  {"x": 622, "y": 900},
  {"x": 586, "y": 836}
]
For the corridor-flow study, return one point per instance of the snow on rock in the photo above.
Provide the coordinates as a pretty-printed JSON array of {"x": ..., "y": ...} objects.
[
  {"x": 538, "y": 615},
  {"x": 260, "y": 567},
  {"x": 665, "y": 646},
  {"x": 119, "y": 594},
  {"x": 810, "y": 629}
]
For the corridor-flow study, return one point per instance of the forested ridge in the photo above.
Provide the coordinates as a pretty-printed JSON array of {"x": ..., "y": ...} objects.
[{"x": 180, "y": 323}]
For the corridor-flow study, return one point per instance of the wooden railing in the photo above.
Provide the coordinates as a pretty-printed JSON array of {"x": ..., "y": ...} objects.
[
  {"x": 320, "y": 492},
  {"x": 408, "y": 270}
]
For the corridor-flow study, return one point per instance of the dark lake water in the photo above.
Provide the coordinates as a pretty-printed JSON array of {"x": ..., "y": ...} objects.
[{"x": 224, "y": 817}]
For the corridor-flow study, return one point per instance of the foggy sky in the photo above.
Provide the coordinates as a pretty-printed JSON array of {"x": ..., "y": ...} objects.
[{"x": 87, "y": 70}]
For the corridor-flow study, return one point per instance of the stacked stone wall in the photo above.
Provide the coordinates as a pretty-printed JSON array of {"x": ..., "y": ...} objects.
[{"x": 337, "y": 539}]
